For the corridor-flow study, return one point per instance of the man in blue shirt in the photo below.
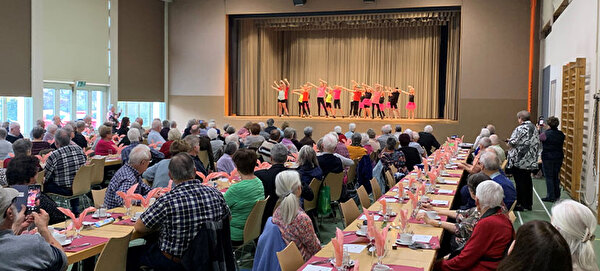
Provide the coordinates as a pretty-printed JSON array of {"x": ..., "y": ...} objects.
[{"x": 491, "y": 166}]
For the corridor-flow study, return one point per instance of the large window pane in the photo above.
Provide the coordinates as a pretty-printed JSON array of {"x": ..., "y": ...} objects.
[
  {"x": 82, "y": 104},
  {"x": 133, "y": 110},
  {"x": 65, "y": 105},
  {"x": 97, "y": 108},
  {"x": 48, "y": 105},
  {"x": 146, "y": 113},
  {"x": 12, "y": 110}
]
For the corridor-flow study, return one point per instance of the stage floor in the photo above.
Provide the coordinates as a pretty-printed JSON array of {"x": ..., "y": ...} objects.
[{"x": 340, "y": 119}]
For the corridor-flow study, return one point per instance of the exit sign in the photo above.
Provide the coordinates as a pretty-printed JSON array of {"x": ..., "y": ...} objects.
[{"x": 79, "y": 84}]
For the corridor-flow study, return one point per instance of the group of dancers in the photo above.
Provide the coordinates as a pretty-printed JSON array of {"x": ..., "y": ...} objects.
[{"x": 364, "y": 99}]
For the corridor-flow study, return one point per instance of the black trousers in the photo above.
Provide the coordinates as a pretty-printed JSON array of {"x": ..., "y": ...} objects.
[
  {"x": 524, "y": 187},
  {"x": 551, "y": 172},
  {"x": 379, "y": 112},
  {"x": 354, "y": 108},
  {"x": 321, "y": 102}
]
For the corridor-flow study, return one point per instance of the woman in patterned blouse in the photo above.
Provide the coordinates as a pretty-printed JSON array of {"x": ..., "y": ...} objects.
[
  {"x": 294, "y": 224},
  {"x": 391, "y": 156},
  {"x": 465, "y": 219}
]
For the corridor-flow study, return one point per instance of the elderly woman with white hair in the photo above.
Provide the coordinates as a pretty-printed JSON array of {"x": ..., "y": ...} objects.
[
  {"x": 496, "y": 147},
  {"x": 328, "y": 162},
  {"x": 308, "y": 165},
  {"x": 386, "y": 132},
  {"x": 50, "y": 131},
  {"x": 364, "y": 141},
  {"x": 577, "y": 224},
  {"x": 428, "y": 140},
  {"x": 484, "y": 133},
  {"x": 215, "y": 143},
  {"x": 491, "y": 237},
  {"x": 172, "y": 135},
  {"x": 338, "y": 131}
]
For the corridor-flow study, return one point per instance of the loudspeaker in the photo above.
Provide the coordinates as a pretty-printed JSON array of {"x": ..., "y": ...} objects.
[
  {"x": 299, "y": 3},
  {"x": 369, "y": 1}
]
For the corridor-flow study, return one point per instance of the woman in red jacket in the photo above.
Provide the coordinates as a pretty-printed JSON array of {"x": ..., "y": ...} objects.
[
  {"x": 492, "y": 236},
  {"x": 105, "y": 145}
]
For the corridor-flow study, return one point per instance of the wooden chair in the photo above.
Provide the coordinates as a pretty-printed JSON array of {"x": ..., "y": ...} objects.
[
  {"x": 253, "y": 225},
  {"x": 352, "y": 172},
  {"x": 390, "y": 179},
  {"x": 512, "y": 207},
  {"x": 39, "y": 178},
  {"x": 98, "y": 197},
  {"x": 114, "y": 254},
  {"x": 335, "y": 181},
  {"x": 376, "y": 189},
  {"x": 98, "y": 172},
  {"x": 81, "y": 186},
  {"x": 290, "y": 258},
  {"x": 374, "y": 155},
  {"x": 315, "y": 186},
  {"x": 203, "y": 156},
  {"x": 363, "y": 197},
  {"x": 349, "y": 211},
  {"x": 393, "y": 169}
]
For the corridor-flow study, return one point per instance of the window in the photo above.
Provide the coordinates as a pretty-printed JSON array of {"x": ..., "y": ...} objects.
[
  {"x": 146, "y": 110},
  {"x": 17, "y": 109},
  {"x": 70, "y": 104}
]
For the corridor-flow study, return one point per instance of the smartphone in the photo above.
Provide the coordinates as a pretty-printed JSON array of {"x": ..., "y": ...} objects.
[
  {"x": 541, "y": 122},
  {"x": 22, "y": 197},
  {"x": 33, "y": 195}
]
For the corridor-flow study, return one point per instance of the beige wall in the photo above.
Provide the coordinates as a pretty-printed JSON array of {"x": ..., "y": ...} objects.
[
  {"x": 75, "y": 40},
  {"x": 494, "y": 59}
]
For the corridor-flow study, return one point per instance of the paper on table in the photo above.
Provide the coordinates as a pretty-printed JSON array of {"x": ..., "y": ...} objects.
[
  {"x": 352, "y": 248},
  {"x": 450, "y": 182},
  {"x": 439, "y": 202},
  {"x": 421, "y": 238},
  {"x": 311, "y": 267},
  {"x": 391, "y": 199},
  {"x": 375, "y": 217},
  {"x": 444, "y": 191}
]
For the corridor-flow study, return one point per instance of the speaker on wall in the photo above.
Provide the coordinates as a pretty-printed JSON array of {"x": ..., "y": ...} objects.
[
  {"x": 299, "y": 3},
  {"x": 369, "y": 1}
]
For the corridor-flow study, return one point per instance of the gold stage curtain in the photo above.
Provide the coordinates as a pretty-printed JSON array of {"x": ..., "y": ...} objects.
[{"x": 398, "y": 56}]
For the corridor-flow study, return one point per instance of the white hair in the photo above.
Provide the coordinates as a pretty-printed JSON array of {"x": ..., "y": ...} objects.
[
  {"x": 329, "y": 142},
  {"x": 428, "y": 129},
  {"x": 577, "y": 224},
  {"x": 14, "y": 124},
  {"x": 386, "y": 129},
  {"x": 51, "y": 128},
  {"x": 337, "y": 129},
  {"x": 156, "y": 124},
  {"x": 140, "y": 153},
  {"x": 262, "y": 125},
  {"x": 212, "y": 124},
  {"x": 365, "y": 139},
  {"x": 286, "y": 184},
  {"x": 489, "y": 194},
  {"x": 484, "y": 132},
  {"x": 133, "y": 135},
  {"x": 352, "y": 126},
  {"x": 415, "y": 136},
  {"x": 232, "y": 138},
  {"x": 490, "y": 160},
  {"x": 173, "y": 134},
  {"x": 494, "y": 139},
  {"x": 212, "y": 133}
]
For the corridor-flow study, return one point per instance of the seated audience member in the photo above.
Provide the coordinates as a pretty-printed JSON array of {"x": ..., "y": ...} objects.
[
  {"x": 538, "y": 246},
  {"x": 216, "y": 144},
  {"x": 105, "y": 145},
  {"x": 295, "y": 225},
  {"x": 365, "y": 143},
  {"x": 50, "y": 131},
  {"x": 411, "y": 154},
  {"x": 355, "y": 150},
  {"x": 57, "y": 121},
  {"x": 264, "y": 134},
  {"x": 288, "y": 134},
  {"x": 225, "y": 163},
  {"x": 351, "y": 130},
  {"x": 5, "y": 145},
  {"x": 346, "y": 162},
  {"x": 158, "y": 174},
  {"x": 484, "y": 143},
  {"x": 398, "y": 131},
  {"x": 270, "y": 126},
  {"x": 485, "y": 133},
  {"x": 466, "y": 201},
  {"x": 27, "y": 251},
  {"x": 37, "y": 144},
  {"x": 78, "y": 137},
  {"x": 338, "y": 131},
  {"x": 174, "y": 134},
  {"x": 194, "y": 143},
  {"x": 128, "y": 175},
  {"x": 188, "y": 129},
  {"x": 491, "y": 236},
  {"x": 123, "y": 130},
  {"x": 134, "y": 138},
  {"x": 23, "y": 170},
  {"x": 328, "y": 162},
  {"x": 495, "y": 141},
  {"x": 21, "y": 147},
  {"x": 254, "y": 140},
  {"x": 14, "y": 132},
  {"x": 206, "y": 147},
  {"x": 241, "y": 197},
  {"x": 140, "y": 121},
  {"x": 341, "y": 148},
  {"x": 428, "y": 140},
  {"x": 89, "y": 127},
  {"x": 307, "y": 139},
  {"x": 466, "y": 220},
  {"x": 179, "y": 216},
  {"x": 490, "y": 166},
  {"x": 166, "y": 127},
  {"x": 40, "y": 123},
  {"x": 154, "y": 136},
  {"x": 308, "y": 166},
  {"x": 577, "y": 224},
  {"x": 373, "y": 141},
  {"x": 386, "y": 132},
  {"x": 62, "y": 165},
  {"x": 491, "y": 128},
  {"x": 391, "y": 157},
  {"x": 265, "y": 148},
  {"x": 414, "y": 137}
]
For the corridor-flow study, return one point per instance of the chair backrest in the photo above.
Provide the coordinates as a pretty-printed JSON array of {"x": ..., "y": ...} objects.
[
  {"x": 352, "y": 172},
  {"x": 335, "y": 181},
  {"x": 290, "y": 258},
  {"x": 393, "y": 169},
  {"x": 376, "y": 189},
  {"x": 98, "y": 172},
  {"x": 203, "y": 156},
  {"x": 254, "y": 220},
  {"x": 503, "y": 166},
  {"x": 373, "y": 156},
  {"x": 114, "y": 254},
  {"x": 83, "y": 180},
  {"x": 512, "y": 207},
  {"x": 315, "y": 186},
  {"x": 363, "y": 197},
  {"x": 349, "y": 211},
  {"x": 390, "y": 179},
  {"x": 39, "y": 178},
  {"x": 98, "y": 197}
]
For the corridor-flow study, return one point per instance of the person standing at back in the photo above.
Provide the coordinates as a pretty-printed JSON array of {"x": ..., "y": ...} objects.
[{"x": 552, "y": 158}]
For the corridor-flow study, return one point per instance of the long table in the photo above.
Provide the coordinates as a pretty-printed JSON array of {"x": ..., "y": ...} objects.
[{"x": 402, "y": 255}]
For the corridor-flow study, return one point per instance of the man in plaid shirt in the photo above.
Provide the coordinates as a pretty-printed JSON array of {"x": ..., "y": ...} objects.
[
  {"x": 178, "y": 216},
  {"x": 128, "y": 175},
  {"x": 62, "y": 165}
]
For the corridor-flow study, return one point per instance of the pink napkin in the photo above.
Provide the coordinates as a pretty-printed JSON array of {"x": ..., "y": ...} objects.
[
  {"x": 234, "y": 175},
  {"x": 421, "y": 189},
  {"x": 129, "y": 196},
  {"x": 383, "y": 205},
  {"x": 338, "y": 246},
  {"x": 77, "y": 221},
  {"x": 400, "y": 190},
  {"x": 120, "y": 149},
  {"x": 168, "y": 188},
  {"x": 223, "y": 190},
  {"x": 89, "y": 218},
  {"x": 370, "y": 223},
  {"x": 380, "y": 238},
  {"x": 413, "y": 199},
  {"x": 355, "y": 268},
  {"x": 146, "y": 200},
  {"x": 404, "y": 217},
  {"x": 125, "y": 222},
  {"x": 44, "y": 157},
  {"x": 93, "y": 240},
  {"x": 411, "y": 181}
]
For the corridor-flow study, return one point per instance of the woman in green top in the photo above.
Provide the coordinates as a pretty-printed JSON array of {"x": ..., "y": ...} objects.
[{"x": 242, "y": 196}]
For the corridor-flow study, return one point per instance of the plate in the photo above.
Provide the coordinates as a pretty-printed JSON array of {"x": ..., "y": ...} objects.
[
  {"x": 392, "y": 214},
  {"x": 133, "y": 219},
  {"x": 400, "y": 242},
  {"x": 66, "y": 242},
  {"x": 350, "y": 264},
  {"x": 96, "y": 215},
  {"x": 360, "y": 233}
]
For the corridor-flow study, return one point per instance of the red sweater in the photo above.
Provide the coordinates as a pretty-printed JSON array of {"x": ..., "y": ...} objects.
[
  {"x": 105, "y": 147},
  {"x": 165, "y": 149},
  {"x": 490, "y": 239}
]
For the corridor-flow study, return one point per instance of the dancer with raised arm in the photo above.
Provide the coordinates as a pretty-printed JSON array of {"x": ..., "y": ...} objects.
[
  {"x": 321, "y": 90},
  {"x": 377, "y": 101},
  {"x": 328, "y": 101},
  {"x": 301, "y": 109},
  {"x": 366, "y": 100},
  {"x": 305, "y": 98},
  {"x": 282, "y": 96},
  {"x": 393, "y": 99},
  {"x": 356, "y": 95},
  {"x": 337, "y": 91},
  {"x": 410, "y": 106}
]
